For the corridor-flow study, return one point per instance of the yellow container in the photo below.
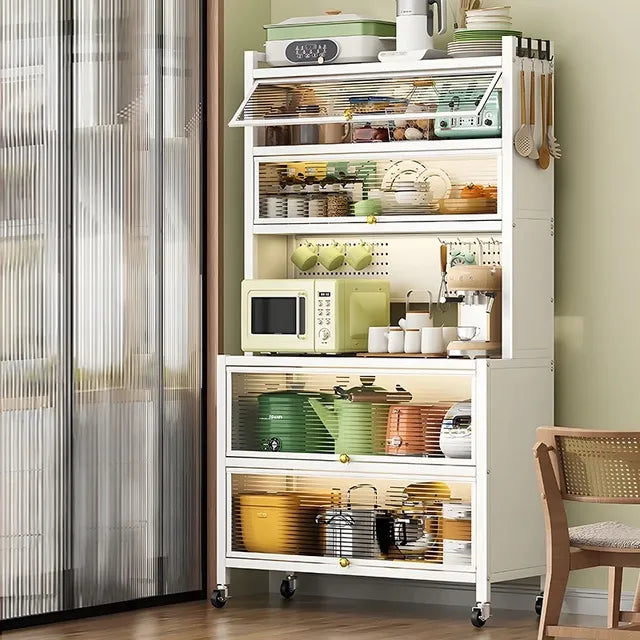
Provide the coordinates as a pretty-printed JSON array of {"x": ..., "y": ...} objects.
[{"x": 271, "y": 522}]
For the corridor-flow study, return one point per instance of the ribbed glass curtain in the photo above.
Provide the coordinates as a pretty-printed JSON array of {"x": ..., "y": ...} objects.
[{"x": 100, "y": 302}]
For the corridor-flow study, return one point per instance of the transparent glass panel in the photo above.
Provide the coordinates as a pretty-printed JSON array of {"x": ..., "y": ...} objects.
[
  {"x": 32, "y": 426},
  {"x": 365, "y": 99},
  {"x": 117, "y": 422},
  {"x": 325, "y": 413},
  {"x": 465, "y": 184},
  {"x": 181, "y": 289},
  {"x": 100, "y": 319},
  {"x": 371, "y": 518}
]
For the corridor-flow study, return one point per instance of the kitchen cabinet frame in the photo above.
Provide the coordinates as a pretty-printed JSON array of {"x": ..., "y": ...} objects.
[{"x": 512, "y": 395}]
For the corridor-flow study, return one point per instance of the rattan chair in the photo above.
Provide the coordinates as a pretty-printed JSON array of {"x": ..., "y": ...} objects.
[{"x": 588, "y": 466}]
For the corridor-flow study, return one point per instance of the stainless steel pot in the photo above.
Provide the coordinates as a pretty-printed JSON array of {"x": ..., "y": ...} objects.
[
  {"x": 357, "y": 532},
  {"x": 415, "y": 532}
]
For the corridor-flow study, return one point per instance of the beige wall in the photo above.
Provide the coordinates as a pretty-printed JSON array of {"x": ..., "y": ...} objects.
[
  {"x": 243, "y": 22},
  {"x": 597, "y": 212}
]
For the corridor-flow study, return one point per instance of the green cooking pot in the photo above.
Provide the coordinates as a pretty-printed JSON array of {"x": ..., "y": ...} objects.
[
  {"x": 287, "y": 423},
  {"x": 356, "y": 416}
]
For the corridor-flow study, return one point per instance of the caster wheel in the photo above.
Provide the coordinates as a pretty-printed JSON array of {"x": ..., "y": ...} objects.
[
  {"x": 286, "y": 591},
  {"x": 218, "y": 600},
  {"x": 539, "y": 601},
  {"x": 476, "y": 619}
]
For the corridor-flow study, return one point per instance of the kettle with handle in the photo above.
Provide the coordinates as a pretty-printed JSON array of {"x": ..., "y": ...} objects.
[
  {"x": 415, "y": 29},
  {"x": 356, "y": 415}
]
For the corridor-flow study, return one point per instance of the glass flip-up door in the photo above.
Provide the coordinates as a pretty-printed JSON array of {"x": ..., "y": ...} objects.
[
  {"x": 305, "y": 414},
  {"x": 334, "y": 99}
]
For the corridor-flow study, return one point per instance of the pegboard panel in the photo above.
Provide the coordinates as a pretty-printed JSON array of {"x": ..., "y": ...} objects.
[
  {"x": 409, "y": 262},
  {"x": 484, "y": 251},
  {"x": 379, "y": 267}
]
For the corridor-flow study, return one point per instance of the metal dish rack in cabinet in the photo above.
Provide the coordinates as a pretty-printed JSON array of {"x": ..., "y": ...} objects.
[{"x": 414, "y": 468}]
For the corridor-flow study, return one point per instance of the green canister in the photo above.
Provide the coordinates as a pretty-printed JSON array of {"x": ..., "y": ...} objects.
[{"x": 287, "y": 423}]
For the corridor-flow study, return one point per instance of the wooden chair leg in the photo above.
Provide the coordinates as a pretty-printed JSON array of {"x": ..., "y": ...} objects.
[
  {"x": 615, "y": 591},
  {"x": 554, "y": 590},
  {"x": 636, "y": 599}
]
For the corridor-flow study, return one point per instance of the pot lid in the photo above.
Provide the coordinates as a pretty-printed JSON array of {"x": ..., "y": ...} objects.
[
  {"x": 367, "y": 386},
  {"x": 331, "y": 17}
]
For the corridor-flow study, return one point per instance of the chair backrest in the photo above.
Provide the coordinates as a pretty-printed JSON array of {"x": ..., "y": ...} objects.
[{"x": 594, "y": 466}]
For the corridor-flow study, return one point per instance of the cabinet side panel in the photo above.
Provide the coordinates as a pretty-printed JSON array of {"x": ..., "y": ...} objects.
[
  {"x": 532, "y": 289},
  {"x": 520, "y": 400}
]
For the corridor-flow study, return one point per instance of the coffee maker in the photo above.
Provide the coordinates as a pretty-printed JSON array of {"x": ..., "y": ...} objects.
[{"x": 479, "y": 291}]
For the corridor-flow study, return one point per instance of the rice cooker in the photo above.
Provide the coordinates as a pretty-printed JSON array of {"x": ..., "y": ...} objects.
[
  {"x": 455, "y": 434},
  {"x": 334, "y": 38}
]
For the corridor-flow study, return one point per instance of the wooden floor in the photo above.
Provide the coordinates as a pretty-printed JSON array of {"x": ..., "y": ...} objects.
[{"x": 303, "y": 618}]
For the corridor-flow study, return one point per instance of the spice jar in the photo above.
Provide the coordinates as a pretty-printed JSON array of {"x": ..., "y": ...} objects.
[{"x": 337, "y": 204}]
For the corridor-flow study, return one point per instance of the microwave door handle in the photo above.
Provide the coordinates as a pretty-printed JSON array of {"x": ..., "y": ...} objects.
[{"x": 298, "y": 305}]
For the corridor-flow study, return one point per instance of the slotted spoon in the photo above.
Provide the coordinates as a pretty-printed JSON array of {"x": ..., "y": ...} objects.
[
  {"x": 534, "y": 155},
  {"x": 554, "y": 147},
  {"x": 523, "y": 141}
]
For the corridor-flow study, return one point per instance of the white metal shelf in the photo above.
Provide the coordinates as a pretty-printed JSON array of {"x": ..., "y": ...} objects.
[
  {"x": 390, "y": 224},
  {"x": 443, "y": 65},
  {"x": 442, "y": 469},
  {"x": 330, "y": 363},
  {"x": 357, "y": 567},
  {"x": 372, "y": 148}
]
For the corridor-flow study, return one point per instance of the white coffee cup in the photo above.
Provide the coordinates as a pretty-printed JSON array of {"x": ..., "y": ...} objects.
[
  {"x": 378, "y": 340},
  {"x": 432, "y": 341},
  {"x": 412, "y": 341},
  {"x": 395, "y": 336},
  {"x": 450, "y": 334},
  {"x": 416, "y": 320}
]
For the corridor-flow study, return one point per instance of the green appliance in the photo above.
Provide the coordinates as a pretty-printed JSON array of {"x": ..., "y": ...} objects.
[
  {"x": 332, "y": 38},
  {"x": 288, "y": 424},
  {"x": 356, "y": 418},
  {"x": 487, "y": 124}
]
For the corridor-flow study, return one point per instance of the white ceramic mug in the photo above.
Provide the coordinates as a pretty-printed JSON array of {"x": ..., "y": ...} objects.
[
  {"x": 450, "y": 334},
  {"x": 412, "y": 341},
  {"x": 378, "y": 340},
  {"x": 395, "y": 336},
  {"x": 416, "y": 320},
  {"x": 432, "y": 341}
]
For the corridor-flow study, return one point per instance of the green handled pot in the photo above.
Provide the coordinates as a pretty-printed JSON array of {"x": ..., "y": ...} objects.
[{"x": 357, "y": 415}]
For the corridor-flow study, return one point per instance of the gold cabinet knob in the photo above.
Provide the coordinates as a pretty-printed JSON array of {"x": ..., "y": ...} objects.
[
  {"x": 371, "y": 220},
  {"x": 344, "y": 458},
  {"x": 344, "y": 562}
]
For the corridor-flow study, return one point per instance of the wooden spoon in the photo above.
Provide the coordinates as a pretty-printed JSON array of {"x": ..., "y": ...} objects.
[
  {"x": 544, "y": 159},
  {"x": 523, "y": 141}
]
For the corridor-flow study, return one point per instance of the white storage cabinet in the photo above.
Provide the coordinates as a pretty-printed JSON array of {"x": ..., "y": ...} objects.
[{"x": 509, "y": 396}]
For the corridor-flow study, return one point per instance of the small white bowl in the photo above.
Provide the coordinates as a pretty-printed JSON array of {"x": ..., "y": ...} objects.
[{"x": 489, "y": 11}]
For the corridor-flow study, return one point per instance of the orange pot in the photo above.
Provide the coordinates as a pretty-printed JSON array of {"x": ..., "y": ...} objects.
[{"x": 412, "y": 430}]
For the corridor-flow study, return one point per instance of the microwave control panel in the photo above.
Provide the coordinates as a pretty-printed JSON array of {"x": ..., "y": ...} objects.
[{"x": 325, "y": 316}]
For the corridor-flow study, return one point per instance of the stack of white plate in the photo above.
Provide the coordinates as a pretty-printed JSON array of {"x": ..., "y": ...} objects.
[
  {"x": 490, "y": 18},
  {"x": 475, "y": 48}
]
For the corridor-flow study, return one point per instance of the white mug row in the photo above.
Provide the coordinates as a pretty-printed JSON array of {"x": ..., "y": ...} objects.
[{"x": 427, "y": 340}]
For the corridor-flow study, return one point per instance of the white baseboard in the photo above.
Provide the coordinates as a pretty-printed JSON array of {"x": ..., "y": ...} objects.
[{"x": 518, "y": 595}]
